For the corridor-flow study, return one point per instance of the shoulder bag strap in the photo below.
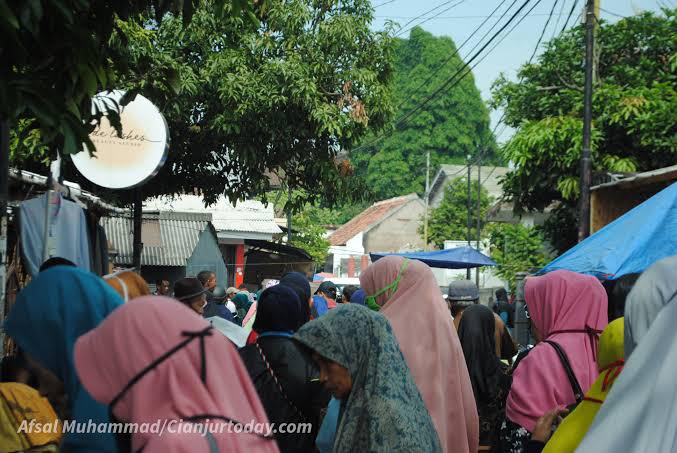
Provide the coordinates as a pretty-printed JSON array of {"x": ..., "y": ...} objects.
[
  {"x": 575, "y": 386},
  {"x": 277, "y": 383}
]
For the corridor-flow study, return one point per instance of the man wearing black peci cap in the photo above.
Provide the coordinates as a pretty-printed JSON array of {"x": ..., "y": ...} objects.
[{"x": 190, "y": 292}]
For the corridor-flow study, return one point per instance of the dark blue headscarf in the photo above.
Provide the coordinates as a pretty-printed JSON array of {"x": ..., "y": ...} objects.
[
  {"x": 58, "y": 306},
  {"x": 278, "y": 310},
  {"x": 358, "y": 297},
  {"x": 299, "y": 283}
]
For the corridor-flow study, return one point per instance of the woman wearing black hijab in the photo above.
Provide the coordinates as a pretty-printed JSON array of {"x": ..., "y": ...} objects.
[
  {"x": 283, "y": 371},
  {"x": 488, "y": 375},
  {"x": 299, "y": 283}
]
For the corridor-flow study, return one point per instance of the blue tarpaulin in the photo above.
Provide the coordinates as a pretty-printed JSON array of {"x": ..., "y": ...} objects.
[
  {"x": 628, "y": 245},
  {"x": 456, "y": 258}
]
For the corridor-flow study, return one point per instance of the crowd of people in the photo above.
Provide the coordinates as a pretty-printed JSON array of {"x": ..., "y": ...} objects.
[{"x": 388, "y": 366}]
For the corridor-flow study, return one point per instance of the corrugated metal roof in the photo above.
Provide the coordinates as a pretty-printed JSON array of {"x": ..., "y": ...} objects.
[
  {"x": 179, "y": 235},
  {"x": 649, "y": 177},
  {"x": 248, "y": 216}
]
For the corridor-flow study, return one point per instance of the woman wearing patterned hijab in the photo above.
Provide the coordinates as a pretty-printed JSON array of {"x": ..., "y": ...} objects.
[
  {"x": 406, "y": 293},
  {"x": 362, "y": 365}
]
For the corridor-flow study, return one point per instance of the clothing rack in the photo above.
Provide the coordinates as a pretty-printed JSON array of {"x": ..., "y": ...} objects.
[{"x": 70, "y": 190}]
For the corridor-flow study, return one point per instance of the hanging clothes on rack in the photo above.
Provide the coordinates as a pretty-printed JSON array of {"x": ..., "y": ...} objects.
[
  {"x": 98, "y": 245},
  {"x": 65, "y": 236}
]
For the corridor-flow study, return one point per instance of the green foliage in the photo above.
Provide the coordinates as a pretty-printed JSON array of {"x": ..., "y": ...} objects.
[
  {"x": 449, "y": 221},
  {"x": 309, "y": 235},
  {"x": 516, "y": 248},
  {"x": 451, "y": 126},
  {"x": 283, "y": 95},
  {"x": 56, "y": 54},
  {"x": 634, "y": 107},
  {"x": 337, "y": 215}
]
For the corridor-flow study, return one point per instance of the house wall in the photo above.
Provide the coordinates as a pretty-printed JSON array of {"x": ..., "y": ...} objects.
[
  {"x": 608, "y": 204},
  {"x": 207, "y": 256},
  {"x": 398, "y": 232},
  {"x": 354, "y": 247}
]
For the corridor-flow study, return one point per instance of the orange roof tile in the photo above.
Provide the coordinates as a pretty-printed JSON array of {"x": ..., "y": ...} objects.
[{"x": 369, "y": 217}]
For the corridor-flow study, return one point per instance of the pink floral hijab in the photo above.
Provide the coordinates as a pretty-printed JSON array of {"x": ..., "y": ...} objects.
[
  {"x": 423, "y": 327},
  {"x": 205, "y": 376},
  {"x": 571, "y": 310}
]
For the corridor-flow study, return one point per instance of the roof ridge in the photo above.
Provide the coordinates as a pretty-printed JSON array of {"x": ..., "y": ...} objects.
[{"x": 407, "y": 197}]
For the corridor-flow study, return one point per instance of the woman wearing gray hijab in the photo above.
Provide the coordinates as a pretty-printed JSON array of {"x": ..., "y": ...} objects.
[{"x": 640, "y": 413}]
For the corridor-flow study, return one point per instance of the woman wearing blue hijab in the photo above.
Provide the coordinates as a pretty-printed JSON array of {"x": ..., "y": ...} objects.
[{"x": 57, "y": 307}]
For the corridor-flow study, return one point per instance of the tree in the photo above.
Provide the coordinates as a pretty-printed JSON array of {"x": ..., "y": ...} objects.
[
  {"x": 449, "y": 221},
  {"x": 634, "y": 107},
  {"x": 56, "y": 54},
  {"x": 283, "y": 95},
  {"x": 516, "y": 248},
  {"x": 451, "y": 126},
  {"x": 309, "y": 236}
]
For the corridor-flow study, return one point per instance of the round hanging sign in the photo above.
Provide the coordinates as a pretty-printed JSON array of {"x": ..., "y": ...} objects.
[{"x": 131, "y": 159}]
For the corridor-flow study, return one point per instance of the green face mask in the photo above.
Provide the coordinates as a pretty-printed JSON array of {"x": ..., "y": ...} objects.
[{"x": 371, "y": 300}]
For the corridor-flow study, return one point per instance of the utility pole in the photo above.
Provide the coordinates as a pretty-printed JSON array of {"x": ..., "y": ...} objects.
[
  {"x": 4, "y": 201},
  {"x": 427, "y": 200},
  {"x": 138, "y": 245},
  {"x": 289, "y": 213},
  {"x": 467, "y": 275},
  {"x": 479, "y": 215},
  {"x": 586, "y": 160}
]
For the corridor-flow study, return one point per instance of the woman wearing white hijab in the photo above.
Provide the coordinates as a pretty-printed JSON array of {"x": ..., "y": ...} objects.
[{"x": 640, "y": 413}]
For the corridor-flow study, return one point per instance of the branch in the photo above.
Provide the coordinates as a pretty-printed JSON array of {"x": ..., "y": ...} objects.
[{"x": 568, "y": 85}]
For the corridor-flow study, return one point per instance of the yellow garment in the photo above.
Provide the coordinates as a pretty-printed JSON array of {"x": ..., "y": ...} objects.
[
  {"x": 575, "y": 426},
  {"x": 20, "y": 403}
]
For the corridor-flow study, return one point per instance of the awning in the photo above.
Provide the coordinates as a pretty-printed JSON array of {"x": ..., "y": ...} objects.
[
  {"x": 630, "y": 244},
  {"x": 456, "y": 258}
]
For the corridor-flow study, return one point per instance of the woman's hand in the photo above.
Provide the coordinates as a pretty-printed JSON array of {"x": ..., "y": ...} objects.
[{"x": 544, "y": 425}]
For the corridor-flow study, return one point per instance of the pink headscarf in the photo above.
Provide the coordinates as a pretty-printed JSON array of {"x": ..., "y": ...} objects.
[
  {"x": 558, "y": 301},
  {"x": 139, "y": 332},
  {"x": 423, "y": 327}
]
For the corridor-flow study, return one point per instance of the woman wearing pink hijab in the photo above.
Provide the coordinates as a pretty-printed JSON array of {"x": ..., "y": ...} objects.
[
  {"x": 151, "y": 361},
  {"x": 567, "y": 309},
  {"x": 406, "y": 292}
]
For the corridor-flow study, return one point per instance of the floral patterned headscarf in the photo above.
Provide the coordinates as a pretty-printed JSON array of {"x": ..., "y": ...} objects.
[{"x": 384, "y": 411}]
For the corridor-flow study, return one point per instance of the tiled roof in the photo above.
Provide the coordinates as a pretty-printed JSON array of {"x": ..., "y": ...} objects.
[
  {"x": 368, "y": 218},
  {"x": 169, "y": 238},
  {"x": 248, "y": 216}
]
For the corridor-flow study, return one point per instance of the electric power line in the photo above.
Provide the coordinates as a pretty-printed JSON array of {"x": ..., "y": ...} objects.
[
  {"x": 454, "y": 78},
  {"x": 424, "y": 14},
  {"x": 547, "y": 22},
  {"x": 384, "y": 3},
  {"x": 571, "y": 13},
  {"x": 612, "y": 13},
  {"x": 559, "y": 16},
  {"x": 453, "y": 54},
  {"x": 428, "y": 19},
  {"x": 461, "y": 17}
]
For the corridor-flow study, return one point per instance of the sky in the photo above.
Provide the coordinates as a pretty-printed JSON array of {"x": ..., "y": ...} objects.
[{"x": 459, "y": 18}]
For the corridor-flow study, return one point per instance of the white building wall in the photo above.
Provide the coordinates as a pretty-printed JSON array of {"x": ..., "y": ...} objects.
[{"x": 354, "y": 247}]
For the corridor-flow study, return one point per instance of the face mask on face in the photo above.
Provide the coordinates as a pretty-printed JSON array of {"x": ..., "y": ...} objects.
[
  {"x": 124, "y": 440},
  {"x": 371, "y": 300}
]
